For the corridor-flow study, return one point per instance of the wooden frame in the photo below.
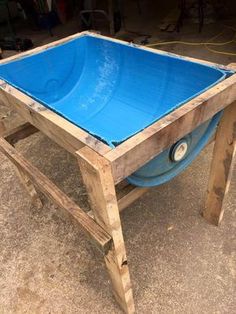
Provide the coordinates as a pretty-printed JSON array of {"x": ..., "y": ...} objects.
[{"x": 104, "y": 169}]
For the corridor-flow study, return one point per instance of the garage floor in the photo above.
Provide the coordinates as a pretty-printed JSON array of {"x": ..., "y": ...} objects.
[{"x": 178, "y": 262}]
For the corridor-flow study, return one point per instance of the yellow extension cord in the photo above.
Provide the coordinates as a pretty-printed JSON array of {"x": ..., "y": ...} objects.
[{"x": 205, "y": 44}]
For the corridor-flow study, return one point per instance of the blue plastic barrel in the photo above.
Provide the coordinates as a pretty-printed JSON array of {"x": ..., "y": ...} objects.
[{"x": 114, "y": 90}]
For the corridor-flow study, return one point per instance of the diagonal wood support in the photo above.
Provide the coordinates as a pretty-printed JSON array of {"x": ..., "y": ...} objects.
[
  {"x": 97, "y": 176},
  {"x": 98, "y": 235},
  {"x": 222, "y": 166}
]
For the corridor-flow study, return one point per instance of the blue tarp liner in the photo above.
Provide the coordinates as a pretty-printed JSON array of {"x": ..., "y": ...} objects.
[{"x": 111, "y": 90}]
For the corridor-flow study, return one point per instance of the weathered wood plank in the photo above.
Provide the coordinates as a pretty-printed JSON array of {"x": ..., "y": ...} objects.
[
  {"x": 66, "y": 134},
  {"x": 165, "y": 132},
  {"x": 222, "y": 166},
  {"x": 100, "y": 237},
  {"x": 97, "y": 176}
]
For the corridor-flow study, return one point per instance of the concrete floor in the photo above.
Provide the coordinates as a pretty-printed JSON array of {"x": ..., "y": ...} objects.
[{"x": 178, "y": 262}]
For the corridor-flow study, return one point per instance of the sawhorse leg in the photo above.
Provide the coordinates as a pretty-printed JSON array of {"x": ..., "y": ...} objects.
[
  {"x": 97, "y": 176},
  {"x": 222, "y": 166}
]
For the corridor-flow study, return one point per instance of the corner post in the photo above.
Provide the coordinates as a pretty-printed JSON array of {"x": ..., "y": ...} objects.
[
  {"x": 222, "y": 166},
  {"x": 97, "y": 176}
]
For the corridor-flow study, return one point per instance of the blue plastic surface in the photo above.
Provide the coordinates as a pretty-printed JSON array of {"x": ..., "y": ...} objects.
[
  {"x": 162, "y": 169},
  {"x": 111, "y": 90}
]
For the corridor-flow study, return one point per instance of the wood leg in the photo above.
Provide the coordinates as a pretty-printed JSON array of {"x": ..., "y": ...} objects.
[
  {"x": 222, "y": 166},
  {"x": 97, "y": 176},
  {"x": 36, "y": 201}
]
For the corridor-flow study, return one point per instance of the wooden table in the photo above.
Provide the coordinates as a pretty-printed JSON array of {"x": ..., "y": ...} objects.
[{"x": 104, "y": 169}]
